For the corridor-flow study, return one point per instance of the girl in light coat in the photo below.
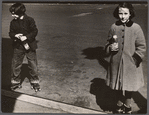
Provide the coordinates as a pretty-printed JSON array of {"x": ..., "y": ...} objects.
[{"x": 126, "y": 47}]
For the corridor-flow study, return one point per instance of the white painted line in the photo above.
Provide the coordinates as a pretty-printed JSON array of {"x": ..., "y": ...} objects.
[
  {"x": 82, "y": 14},
  {"x": 49, "y": 103},
  {"x": 99, "y": 8}
]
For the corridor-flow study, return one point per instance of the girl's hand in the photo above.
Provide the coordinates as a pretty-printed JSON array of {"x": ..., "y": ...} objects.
[{"x": 114, "y": 47}]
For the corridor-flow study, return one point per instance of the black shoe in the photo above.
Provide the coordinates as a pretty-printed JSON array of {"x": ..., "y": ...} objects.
[
  {"x": 128, "y": 110},
  {"x": 119, "y": 109},
  {"x": 15, "y": 86},
  {"x": 35, "y": 86}
]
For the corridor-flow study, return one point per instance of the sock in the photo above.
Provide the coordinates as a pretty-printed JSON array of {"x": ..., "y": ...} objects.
[{"x": 128, "y": 96}]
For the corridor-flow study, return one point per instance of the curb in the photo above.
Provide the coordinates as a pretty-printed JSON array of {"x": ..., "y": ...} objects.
[{"x": 49, "y": 103}]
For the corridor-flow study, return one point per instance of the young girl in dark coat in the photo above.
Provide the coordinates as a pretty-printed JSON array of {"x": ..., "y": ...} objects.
[
  {"x": 23, "y": 31},
  {"x": 126, "y": 47}
]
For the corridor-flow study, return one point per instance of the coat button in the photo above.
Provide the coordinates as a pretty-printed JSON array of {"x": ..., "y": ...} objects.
[
  {"x": 122, "y": 30},
  {"x": 122, "y": 36},
  {"x": 122, "y": 42}
]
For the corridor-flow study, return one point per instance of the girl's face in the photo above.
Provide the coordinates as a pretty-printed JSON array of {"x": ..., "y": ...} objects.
[{"x": 124, "y": 14}]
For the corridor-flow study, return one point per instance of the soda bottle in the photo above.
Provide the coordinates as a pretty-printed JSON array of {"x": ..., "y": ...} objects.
[
  {"x": 26, "y": 45},
  {"x": 115, "y": 44}
]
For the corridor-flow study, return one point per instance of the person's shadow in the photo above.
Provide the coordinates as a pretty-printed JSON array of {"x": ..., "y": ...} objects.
[
  {"x": 97, "y": 53},
  {"x": 106, "y": 97},
  {"x": 7, "y": 54}
]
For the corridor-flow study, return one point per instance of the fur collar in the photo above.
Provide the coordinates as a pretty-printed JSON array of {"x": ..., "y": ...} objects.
[{"x": 128, "y": 24}]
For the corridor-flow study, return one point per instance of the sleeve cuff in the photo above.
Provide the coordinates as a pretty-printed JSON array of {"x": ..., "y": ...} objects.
[{"x": 137, "y": 58}]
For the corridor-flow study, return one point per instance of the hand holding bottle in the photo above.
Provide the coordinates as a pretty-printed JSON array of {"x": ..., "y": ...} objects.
[
  {"x": 114, "y": 45},
  {"x": 24, "y": 42},
  {"x": 23, "y": 38},
  {"x": 18, "y": 35}
]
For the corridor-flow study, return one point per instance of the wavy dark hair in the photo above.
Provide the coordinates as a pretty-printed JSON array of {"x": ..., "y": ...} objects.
[
  {"x": 17, "y": 8},
  {"x": 124, "y": 5}
]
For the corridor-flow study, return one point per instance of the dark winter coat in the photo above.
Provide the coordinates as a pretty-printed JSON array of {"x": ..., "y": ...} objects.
[
  {"x": 25, "y": 26},
  {"x": 126, "y": 65}
]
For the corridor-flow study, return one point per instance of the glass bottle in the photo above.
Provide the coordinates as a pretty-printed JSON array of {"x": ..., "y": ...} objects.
[
  {"x": 115, "y": 43},
  {"x": 26, "y": 45}
]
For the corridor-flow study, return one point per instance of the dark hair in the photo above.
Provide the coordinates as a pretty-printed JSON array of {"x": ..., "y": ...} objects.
[
  {"x": 17, "y": 8},
  {"x": 124, "y": 5}
]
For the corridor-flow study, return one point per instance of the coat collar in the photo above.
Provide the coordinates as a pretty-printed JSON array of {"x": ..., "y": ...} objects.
[
  {"x": 24, "y": 17},
  {"x": 128, "y": 24}
]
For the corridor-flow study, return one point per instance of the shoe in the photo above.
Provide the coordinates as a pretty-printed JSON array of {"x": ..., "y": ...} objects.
[
  {"x": 15, "y": 86},
  {"x": 128, "y": 110},
  {"x": 119, "y": 109},
  {"x": 35, "y": 86}
]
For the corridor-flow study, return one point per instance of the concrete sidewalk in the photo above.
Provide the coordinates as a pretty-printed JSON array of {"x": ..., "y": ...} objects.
[
  {"x": 15, "y": 102},
  {"x": 24, "y": 107}
]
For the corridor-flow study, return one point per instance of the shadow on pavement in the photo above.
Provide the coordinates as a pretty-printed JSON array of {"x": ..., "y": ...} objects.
[
  {"x": 105, "y": 97},
  {"x": 96, "y": 53},
  {"x": 7, "y": 106},
  {"x": 7, "y": 54},
  {"x": 141, "y": 102},
  {"x": 24, "y": 72}
]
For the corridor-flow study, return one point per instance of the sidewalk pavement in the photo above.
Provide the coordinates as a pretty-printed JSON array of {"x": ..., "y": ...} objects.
[
  {"x": 15, "y": 102},
  {"x": 24, "y": 107}
]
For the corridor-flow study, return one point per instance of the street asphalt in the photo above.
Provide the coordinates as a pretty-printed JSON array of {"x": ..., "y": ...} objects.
[{"x": 71, "y": 62}]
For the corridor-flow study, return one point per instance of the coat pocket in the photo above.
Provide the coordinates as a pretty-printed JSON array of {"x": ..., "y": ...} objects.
[{"x": 137, "y": 59}]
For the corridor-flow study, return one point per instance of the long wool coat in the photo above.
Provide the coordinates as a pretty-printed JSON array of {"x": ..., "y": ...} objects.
[{"x": 123, "y": 73}]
